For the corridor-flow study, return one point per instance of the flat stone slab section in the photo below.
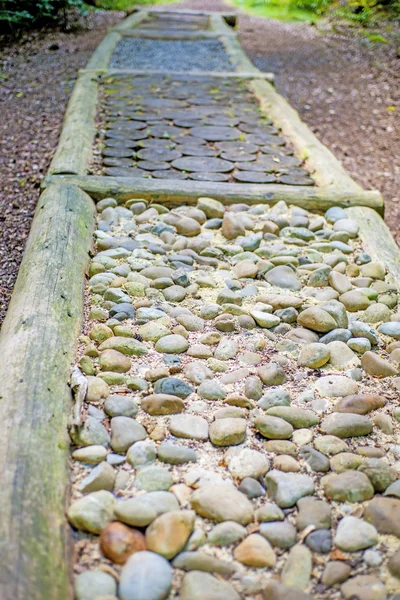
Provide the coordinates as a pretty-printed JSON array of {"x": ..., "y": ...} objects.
[
  {"x": 169, "y": 20},
  {"x": 207, "y": 129}
]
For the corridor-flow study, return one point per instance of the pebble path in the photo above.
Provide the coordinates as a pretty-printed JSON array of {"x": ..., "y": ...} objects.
[{"x": 241, "y": 427}]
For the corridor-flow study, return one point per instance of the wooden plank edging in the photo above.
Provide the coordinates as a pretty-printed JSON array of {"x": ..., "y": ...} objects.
[
  {"x": 101, "y": 56},
  {"x": 37, "y": 347},
  {"x": 377, "y": 239},
  {"x": 187, "y": 74},
  {"x": 232, "y": 46},
  {"x": 132, "y": 21},
  {"x": 75, "y": 144},
  {"x": 176, "y": 192}
]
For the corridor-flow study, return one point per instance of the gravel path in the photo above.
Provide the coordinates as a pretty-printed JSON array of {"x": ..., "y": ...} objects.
[
  {"x": 242, "y": 420},
  {"x": 165, "y": 55}
]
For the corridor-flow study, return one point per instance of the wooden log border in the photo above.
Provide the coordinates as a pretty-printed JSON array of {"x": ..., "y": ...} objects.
[
  {"x": 74, "y": 148},
  {"x": 186, "y": 74},
  {"x": 156, "y": 34},
  {"x": 377, "y": 240},
  {"x": 37, "y": 347},
  {"x": 170, "y": 192},
  {"x": 230, "y": 18},
  {"x": 132, "y": 21}
]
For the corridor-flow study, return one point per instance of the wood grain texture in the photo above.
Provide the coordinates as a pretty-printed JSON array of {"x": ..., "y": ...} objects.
[
  {"x": 377, "y": 239},
  {"x": 178, "y": 192},
  {"x": 74, "y": 148},
  {"x": 188, "y": 74},
  {"x": 158, "y": 34},
  {"x": 188, "y": 11},
  {"x": 37, "y": 347}
]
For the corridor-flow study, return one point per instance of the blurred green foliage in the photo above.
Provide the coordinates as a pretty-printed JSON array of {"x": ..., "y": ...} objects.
[
  {"x": 15, "y": 14},
  {"x": 21, "y": 14},
  {"x": 125, "y": 4},
  {"x": 364, "y": 12}
]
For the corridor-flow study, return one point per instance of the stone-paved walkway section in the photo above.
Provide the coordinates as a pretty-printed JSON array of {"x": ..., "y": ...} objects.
[
  {"x": 241, "y": 429},
  {"x": 170, "y": 22},
  {"x": 166, "y": 55},
  {"x": 200, "y": 128}
]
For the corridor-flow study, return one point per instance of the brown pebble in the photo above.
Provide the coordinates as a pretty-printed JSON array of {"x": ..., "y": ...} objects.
[
  {"x": 396, "y": 383},
  {"x": 335, "y": 571},
  {"x": 395, "y": 355},
  {"x": 162, "y": 404},
  {"x": 359, "y": 404},
  {"x": 286, "y": 463},
  {"x": 255, "y": 551},
  {"x": 158, "y": 434},
  {"x": 377, "y": 366},
  {"x": 384, "y": 423},
  {"x": 392, "y": 346},
  {"x": 143, "y": 303},
  {"x": 158, "y": 373},
  {"x": 180, "y": 330},
  {"x": 394, "y": 564},
  {"x": 238, "y": 400},
  {"x": 281, "y": 447},
  {"x": 364, "y": 587},
  {"x": 384, "y": 514},
  {"x": 118, "y": 542}
]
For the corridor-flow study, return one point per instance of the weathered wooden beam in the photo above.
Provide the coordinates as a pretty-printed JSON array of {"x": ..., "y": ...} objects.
[
  {"x": 377, "y": 239},
  {"x": 230, "y": 18},
  {"x": 178, "y": 192},
  {"x": 182, "y": 34},
  {"x": 75, "y": 144},
  {"x": 37, "y": 346},
  {"x": 132, "y": 21},
  {"x": 186, "y": 74},
  {"x": 186, "y": 11},
  {"x": 101, "y": 56},
  {"x": 238, "y": 58}
]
